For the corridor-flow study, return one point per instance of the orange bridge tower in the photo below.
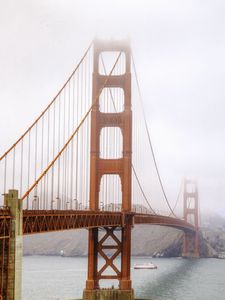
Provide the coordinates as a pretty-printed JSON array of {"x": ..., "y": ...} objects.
[
  {"x": 191, "y": 215},
  {"x": 98, "y": 245}
]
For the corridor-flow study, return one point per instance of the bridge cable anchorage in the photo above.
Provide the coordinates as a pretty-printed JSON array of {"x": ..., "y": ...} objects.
[
  {"x": 49, "y": 105},
  {"x": 133, "y": 168},
  {"x": 73, "y": 134},
  {"x": 149, "y": 140}
]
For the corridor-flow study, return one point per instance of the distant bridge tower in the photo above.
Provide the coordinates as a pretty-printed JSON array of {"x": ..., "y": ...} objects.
[
  {"x": 107, "y": 166},
  {"x": 191, "y": 215}
]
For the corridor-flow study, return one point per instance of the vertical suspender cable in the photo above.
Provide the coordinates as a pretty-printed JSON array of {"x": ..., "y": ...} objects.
[
  {"x": 47, "y": 179},
  {"x": 68, "y": 200},
  {"x": 88, "y": 129},
  {"x": 72, "y": 148},
  {"x": 63, "y": 158},
  {"x": 59, "y": 160},
  {"x": 84, "y": 138},
  {"x": 178, "y": 197},
  {"x": 134, "y": 171},
  {"x": 28, "y": 170},
  {"x": 35, "y": 166},
  {"x": 13, "y": 172},
  {"x": 50, "y": 104},
  {"x": 150, "y": 142},
  {"x": 21, "y": 169},
  {"x": 5, "y": 174},
  {"x": 81, "y": 139},
  {"x": 42, "y": 160},
  {"x": 53, "y": 155},
  {"x": 70, "y": 138},
  {"x": 77, "y": 141}
]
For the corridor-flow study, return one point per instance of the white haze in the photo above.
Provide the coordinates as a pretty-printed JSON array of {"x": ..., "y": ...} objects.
[{"x": 179, "y": 51}]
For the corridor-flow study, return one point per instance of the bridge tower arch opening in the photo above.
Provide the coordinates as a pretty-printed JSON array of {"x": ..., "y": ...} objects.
[{"x": 191, "y": 215}]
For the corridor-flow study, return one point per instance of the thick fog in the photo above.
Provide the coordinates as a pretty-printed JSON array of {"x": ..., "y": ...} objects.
[{"x": 178, "y": 48}]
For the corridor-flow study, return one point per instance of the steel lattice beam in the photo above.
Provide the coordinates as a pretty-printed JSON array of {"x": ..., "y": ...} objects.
[{"x": 53, "y": 220}]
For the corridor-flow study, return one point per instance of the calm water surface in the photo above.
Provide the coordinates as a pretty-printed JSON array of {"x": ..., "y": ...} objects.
[{"x": 62, "y": 278}]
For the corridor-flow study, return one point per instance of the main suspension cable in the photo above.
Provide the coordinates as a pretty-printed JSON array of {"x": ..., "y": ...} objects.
[
  {"x": 149, "y": 139},
  {"x": 178, "y": 197},
  {"x": 72, "y": 135},
  {"x": 49, "y": 105},
  {"x": 133, "y": 168}
]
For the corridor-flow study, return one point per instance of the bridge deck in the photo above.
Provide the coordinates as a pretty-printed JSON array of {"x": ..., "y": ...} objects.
[
  {"x": 45, "y": 221},
  {"x": 40, "y": 221}
]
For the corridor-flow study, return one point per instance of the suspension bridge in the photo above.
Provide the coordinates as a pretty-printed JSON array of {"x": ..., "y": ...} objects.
[{"x": 87, "y": 161}]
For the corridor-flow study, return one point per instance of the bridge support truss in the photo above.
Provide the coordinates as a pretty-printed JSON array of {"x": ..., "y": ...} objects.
[
  {"x": 5, "y": 233},
  {"x": 98, "y": 246},
  {"x": 191, "y": 214}
]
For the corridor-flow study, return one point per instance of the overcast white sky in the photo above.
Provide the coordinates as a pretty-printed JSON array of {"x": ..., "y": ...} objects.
[{"x": 179, "y": 51}]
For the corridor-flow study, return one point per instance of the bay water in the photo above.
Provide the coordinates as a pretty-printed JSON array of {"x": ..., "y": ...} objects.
[{"x": 63, "y": 278}]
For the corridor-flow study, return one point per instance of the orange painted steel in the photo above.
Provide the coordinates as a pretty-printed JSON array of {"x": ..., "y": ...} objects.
[
  {"x": 40, "y": 221},
  {"x": 191, "y": 214},
  {"x": 5, "y": 223},
  {"x": 164, "y": 221},
  {"x": 109, "y": 259},
  {"x": 52, "y": 220},
  {"x": 49, "y": 105},
  {"x": 5, "y": 233},
  {"x": 121, "y": 166},
  {"x": 95, "y": 101}
]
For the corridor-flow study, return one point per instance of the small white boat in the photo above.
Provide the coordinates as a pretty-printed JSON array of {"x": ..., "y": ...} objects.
[
  {"x": 221, "y": 256},
  {"x": 145, "y": 266},
  {"x": 61, "y": 253}
]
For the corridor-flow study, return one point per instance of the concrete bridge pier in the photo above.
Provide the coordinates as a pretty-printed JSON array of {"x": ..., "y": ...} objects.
[
  {"x": 191, "y": 245},
  {"x": 15, "y": 246},
  {"x": 106, "y": 294}
]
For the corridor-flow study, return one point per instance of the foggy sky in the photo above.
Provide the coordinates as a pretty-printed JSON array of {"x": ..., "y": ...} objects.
[{"x": 179, "y": 51}]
